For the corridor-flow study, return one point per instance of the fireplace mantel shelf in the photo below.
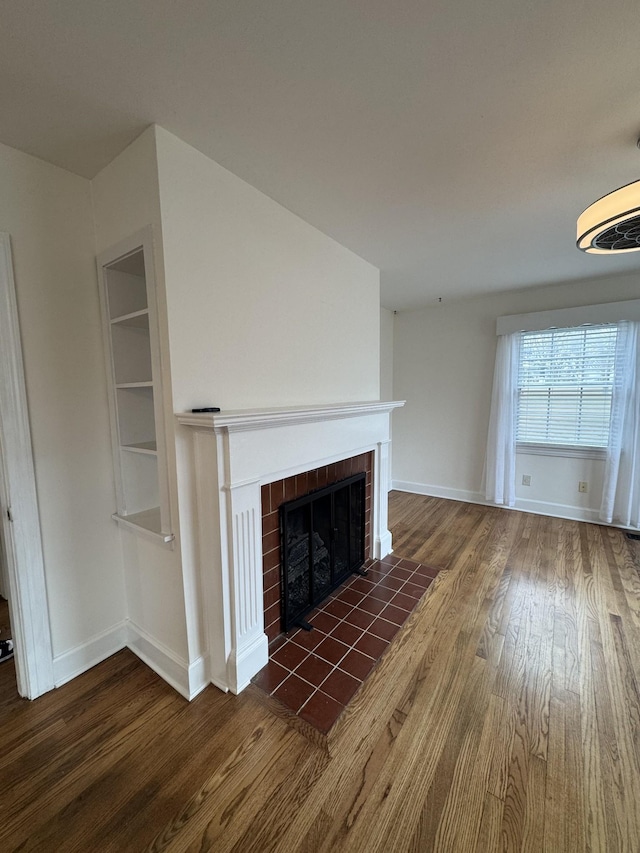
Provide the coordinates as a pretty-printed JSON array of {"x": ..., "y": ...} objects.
[{"x": 252, "y": 419}]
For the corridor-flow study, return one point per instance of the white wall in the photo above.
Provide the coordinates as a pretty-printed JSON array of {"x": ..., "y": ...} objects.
[
  {"x": 554, "y": 485},
  {"x": 264, "y": 310},
  {"x": 443, "y": 366},
  {"x": 386, "y": 354},
  {"x": 47, "y": 212},
  {"x": 386, "y": 370},
  {"x": 126, "y": 199}
]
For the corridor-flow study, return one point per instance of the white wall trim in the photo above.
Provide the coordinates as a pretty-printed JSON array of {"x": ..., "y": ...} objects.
[
  {"x": 572, "y": 513},
  {"x": 432, "y": 491},
  {"x": 163, "y": 661},
  {"x": 253, "y": 419},
  {"x": 188, "y": 680},
  {"x": 563, "y": 318},
  {"x": 81, "y": 658},
  {"x": 562, "y": 450},
  {"x": 28, "y": 605},
  {"x": 555, "y": 510},
  {"x": 198, "y": 676}
]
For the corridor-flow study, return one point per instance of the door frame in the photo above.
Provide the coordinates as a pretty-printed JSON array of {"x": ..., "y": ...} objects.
[{"x": 28, "y": 605}]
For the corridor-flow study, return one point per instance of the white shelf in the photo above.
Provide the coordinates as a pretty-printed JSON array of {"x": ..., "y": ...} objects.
[
  {"x": 141, "y": 447},
  {"x": 147, "y": 522},
  {"x": 148, "y": 384},
  {"x": 137, "y": 319}
]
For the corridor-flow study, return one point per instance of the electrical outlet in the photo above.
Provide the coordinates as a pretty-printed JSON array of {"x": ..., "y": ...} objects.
[
  {"x": 583, "y": 486},
  {"x": 526, "y": 479}
]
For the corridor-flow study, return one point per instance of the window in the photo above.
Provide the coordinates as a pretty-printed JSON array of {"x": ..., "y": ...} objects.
[{"x": 565, "y": 384}]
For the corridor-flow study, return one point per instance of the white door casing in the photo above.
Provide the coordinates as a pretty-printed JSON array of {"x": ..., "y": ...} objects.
[{"x": 28, "y": 606}]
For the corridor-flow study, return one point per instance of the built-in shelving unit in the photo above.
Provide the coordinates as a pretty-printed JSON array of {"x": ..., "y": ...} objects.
[{"x": 128, "y": 302}]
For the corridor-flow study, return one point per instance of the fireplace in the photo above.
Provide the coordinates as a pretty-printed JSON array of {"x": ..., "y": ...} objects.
[
  {"x": 274, "y": 495},
  {"x": 238, "y": 459}
]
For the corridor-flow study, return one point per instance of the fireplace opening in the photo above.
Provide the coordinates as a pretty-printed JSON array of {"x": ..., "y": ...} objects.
[{"x": 322, "y": 539}]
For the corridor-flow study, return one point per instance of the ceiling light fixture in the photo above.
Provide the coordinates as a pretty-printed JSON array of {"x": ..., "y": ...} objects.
[{"x": 612, "y": 224}]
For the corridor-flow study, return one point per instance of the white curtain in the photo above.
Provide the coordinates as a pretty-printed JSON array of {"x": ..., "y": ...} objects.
[
  {"x": 500, "y": 470},
  {"x": 621, "y": 492}
]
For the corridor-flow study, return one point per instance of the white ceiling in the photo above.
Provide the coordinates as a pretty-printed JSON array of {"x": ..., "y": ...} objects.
[{"x": 452, "y": 143}]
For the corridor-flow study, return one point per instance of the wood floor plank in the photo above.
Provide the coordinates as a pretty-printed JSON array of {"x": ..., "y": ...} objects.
[
  {"x": 572, "y": 558},
  {"x": 534, "y": 815},
  {"x": 574, "y": 781},
  {"x": 595, "y": 783},
  {"x": 515, "y": 799},
  {"x": 502, "y": 748},
  {"x": 555, "y": 804},
  {"x": 490, "y": 834},
  {"x": 616, "y": 814},
  {"x": 630, "y": 699},
  {"x": 469, "y": 786},
  {"x": 436, "y": 827},
  {"x": 497, "y": 606}
]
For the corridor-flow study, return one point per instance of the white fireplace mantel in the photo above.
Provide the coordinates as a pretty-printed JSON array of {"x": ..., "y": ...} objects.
[{"x": 235, "y": 454}]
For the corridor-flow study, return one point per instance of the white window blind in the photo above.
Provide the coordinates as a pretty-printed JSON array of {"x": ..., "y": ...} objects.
[{"x": 565, "y": 384}]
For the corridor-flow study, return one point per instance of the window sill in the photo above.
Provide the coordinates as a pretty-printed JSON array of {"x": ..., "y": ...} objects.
[{"x": 565, "y": 450}]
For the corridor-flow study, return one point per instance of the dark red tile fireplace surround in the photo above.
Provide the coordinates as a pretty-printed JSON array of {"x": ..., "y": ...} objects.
[{"x": 315, "y": 674}]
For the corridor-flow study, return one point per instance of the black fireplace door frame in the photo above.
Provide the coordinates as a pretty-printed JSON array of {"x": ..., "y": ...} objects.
[{"x": 309, "y": 546}]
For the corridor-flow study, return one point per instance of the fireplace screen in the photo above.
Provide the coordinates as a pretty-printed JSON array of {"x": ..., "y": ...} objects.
[{"x": 322, "y": 541}]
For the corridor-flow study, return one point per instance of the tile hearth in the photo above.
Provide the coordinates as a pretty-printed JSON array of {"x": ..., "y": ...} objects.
[{"x": 316, "y": 673}]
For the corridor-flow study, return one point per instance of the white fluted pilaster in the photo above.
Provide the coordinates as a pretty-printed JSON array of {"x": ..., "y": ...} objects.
[{"x": 243, "y": 567}]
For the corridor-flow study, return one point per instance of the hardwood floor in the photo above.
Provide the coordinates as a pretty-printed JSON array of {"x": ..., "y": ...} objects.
[{"x": 505, "y": 716}]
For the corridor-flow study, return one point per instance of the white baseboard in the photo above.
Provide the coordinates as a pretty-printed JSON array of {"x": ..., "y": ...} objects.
[
  {"x": 198, "y": 676},
  {"x": 188, "y": 680},
  {"x": 220, "y": 683},
  {"x": 440, "y": 492},
  {"x": 244, "y": 663},
  {"x": 572, "y": 513},
  {"x": 556, "y": 510},
  {"x": 382, "y": 546},
  {"x": 81, "y": 658}
]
